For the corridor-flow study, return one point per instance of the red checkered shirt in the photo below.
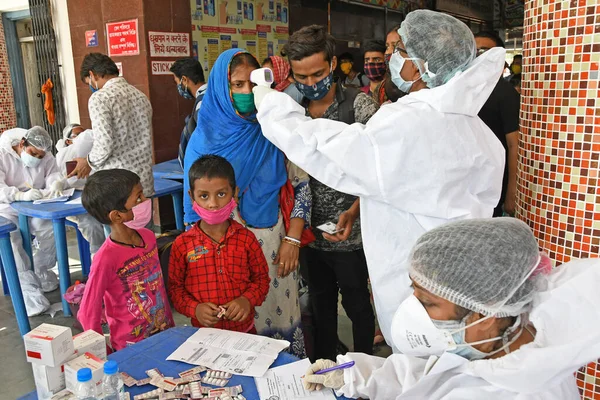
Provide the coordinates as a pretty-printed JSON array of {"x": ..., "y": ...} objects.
[{"x": 202, "y": 270}]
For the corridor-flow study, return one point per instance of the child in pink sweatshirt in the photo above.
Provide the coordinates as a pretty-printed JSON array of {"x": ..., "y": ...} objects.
[{"x": 126, "y": 273}]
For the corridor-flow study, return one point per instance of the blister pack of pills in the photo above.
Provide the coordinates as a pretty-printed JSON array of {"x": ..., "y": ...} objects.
[
  {"x": 211, "y": 373},
  {"x": 154, "y": 372},
  {"x": 215, "y": 381},
  {"x": 149, "y": 395}
]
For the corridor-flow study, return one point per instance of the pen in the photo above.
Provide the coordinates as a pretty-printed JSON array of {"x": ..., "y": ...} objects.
[{"x": 341, "y": 366}]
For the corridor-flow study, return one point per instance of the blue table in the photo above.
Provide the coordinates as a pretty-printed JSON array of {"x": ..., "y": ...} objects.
[
  {"x": 163, "y": 187},
  {"x": 168, "y": 170},
  {"x": 10, "y": 276},
  {"x": 153, "y": 353},
  {"x": 57, "y": 213}
]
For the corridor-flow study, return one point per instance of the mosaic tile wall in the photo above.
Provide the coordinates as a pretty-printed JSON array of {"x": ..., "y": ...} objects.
[
  {"x": 559, "y": 182},
  {"x": 8, "y": 116}
]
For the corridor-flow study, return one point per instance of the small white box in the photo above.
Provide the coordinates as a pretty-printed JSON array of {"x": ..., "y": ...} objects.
[
  {"x": 48, "y": 380},
  {"x": 49, "y": 345},
  {"x": 90, "y": 342},
  {"x": 86, "y": 360}
]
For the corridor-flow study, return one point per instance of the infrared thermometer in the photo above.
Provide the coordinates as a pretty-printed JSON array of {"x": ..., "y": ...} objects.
[{"x": 262, "y": 77}]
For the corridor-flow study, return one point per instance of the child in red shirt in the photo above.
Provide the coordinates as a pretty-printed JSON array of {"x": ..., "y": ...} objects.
[
  {"x": 217, "y": 270},
  {"x": 126, "y": 273}
]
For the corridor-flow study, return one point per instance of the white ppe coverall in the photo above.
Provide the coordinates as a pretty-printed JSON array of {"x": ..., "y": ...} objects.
[
  {"x": 90, "y": 228},
  {"x": 15, "y": 177},
  {"x": 567, "y": 320},
  {"x": 418, "y": 163}
]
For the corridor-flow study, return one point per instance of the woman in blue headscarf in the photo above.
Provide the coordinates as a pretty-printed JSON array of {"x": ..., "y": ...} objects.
[{"x": 227, "y": 126}]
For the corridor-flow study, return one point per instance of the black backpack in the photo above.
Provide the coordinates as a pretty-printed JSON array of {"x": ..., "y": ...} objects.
[
  {"x": 346, "y": 105},
  {"x": 164, "y": 243}
]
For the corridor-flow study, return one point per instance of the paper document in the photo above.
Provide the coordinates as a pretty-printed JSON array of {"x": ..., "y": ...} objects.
[
  {"x": 285, "y": 383},
  {"x": 76, "y": 201},
  {"x": 66, "y": 195},
  {"x": 235, "y": 352}
]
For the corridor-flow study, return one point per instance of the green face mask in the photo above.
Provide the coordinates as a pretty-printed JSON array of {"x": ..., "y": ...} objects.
[{"x": 243, "y": 102}]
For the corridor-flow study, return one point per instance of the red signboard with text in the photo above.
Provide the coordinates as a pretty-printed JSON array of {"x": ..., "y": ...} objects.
[{"x": 123, "y": 39}]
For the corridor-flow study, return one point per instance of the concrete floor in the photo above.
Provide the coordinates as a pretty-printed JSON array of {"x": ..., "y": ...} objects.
[{"x": 16, "y": 375}]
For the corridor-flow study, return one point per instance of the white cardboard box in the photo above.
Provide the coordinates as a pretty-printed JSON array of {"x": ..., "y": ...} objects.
[
  {"x": 90, "y": 342},
  {"x": 49, "y": 345},
  {"x": 87, "y": 360},
  {"x": 48, "y": 380}
]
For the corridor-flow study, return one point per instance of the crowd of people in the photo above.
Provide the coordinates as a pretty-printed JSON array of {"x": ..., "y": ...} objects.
[{"x": 409, "y": 161}]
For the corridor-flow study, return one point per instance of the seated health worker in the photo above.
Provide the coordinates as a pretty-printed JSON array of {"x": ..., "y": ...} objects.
[
  {"x": 77, "y": 142},
  {"x": 26, "y": 168},
  {"x": 488, "y": 319}
]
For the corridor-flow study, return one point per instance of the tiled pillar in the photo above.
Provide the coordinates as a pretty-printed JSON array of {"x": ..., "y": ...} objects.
[
  {"x": 8, "y": 116},
  {"x": 559, "y": 182}
]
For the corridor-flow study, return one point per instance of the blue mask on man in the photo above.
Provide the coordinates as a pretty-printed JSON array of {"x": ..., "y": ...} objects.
[
  {"x": 183, "y": 91},
  {"x": 93, "y": 89},
  {"x": 318, "y": 90}
]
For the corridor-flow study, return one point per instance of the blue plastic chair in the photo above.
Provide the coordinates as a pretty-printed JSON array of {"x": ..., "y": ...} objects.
[{"x": 10, "y": 277}]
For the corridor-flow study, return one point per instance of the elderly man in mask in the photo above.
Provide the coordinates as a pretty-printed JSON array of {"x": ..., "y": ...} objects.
[
  {"x": 77, "y": 142},
  {"x": 488, "y": 319},
  {"x": 418, "y": 163},
  {"x": 27, "y": 168}
]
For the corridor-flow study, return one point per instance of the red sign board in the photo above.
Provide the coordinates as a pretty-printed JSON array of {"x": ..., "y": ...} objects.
[
  {"x": 263, "y": 28},
  {"x": 123, "y": 39}
]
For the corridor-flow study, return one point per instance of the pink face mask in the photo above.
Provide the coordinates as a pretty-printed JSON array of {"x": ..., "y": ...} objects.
[
  {"x": 142, "y": 213},
  {"x": 215, "y": 217}
]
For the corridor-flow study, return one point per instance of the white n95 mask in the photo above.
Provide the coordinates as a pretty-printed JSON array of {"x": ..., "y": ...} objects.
[{"x": 414, "y": 333}]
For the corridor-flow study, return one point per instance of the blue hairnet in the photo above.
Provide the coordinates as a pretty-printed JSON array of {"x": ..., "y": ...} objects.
[{"x": 444, "y": 44}]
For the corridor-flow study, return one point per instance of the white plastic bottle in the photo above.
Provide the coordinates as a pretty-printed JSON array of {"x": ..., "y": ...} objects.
[
  {"x": 86, "y": 388},
  {"x": 112, "y": 384}
]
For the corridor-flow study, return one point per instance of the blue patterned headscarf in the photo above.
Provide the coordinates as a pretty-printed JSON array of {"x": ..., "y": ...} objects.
[{"x": 259, "y": 166}]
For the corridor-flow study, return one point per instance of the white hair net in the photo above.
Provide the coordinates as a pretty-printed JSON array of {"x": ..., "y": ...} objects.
[
  {"x": 489, "y": 266},
  {"x": 68, "y": 129},
  {"x": 445, "y": 44},
  {"x": 38, "y": 138}
]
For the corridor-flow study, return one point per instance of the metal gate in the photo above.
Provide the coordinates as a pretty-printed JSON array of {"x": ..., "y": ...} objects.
[{"x": 47, "y": 62}]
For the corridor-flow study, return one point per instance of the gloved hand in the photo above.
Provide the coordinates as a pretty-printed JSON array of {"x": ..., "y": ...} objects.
[
  {"x": 57, "y": 187},
  {"x": 259, "y": 94},
  {"x": 30, "y": 195},
  {"x": 333, "y": 379}
]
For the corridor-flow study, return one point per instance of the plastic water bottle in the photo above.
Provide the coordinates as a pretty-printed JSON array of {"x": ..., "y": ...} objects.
[
  {"x": 86, "y": 388},
  {"x": 112, "y": 384}
]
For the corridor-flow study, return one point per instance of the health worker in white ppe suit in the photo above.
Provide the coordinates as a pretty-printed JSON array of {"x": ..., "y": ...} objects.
[
  {"x": 418, "y": 163},
  {"x": 77, "y": 143},
  {"x": 28, "y": 172},
  {"x": 488, "y": 319}
]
